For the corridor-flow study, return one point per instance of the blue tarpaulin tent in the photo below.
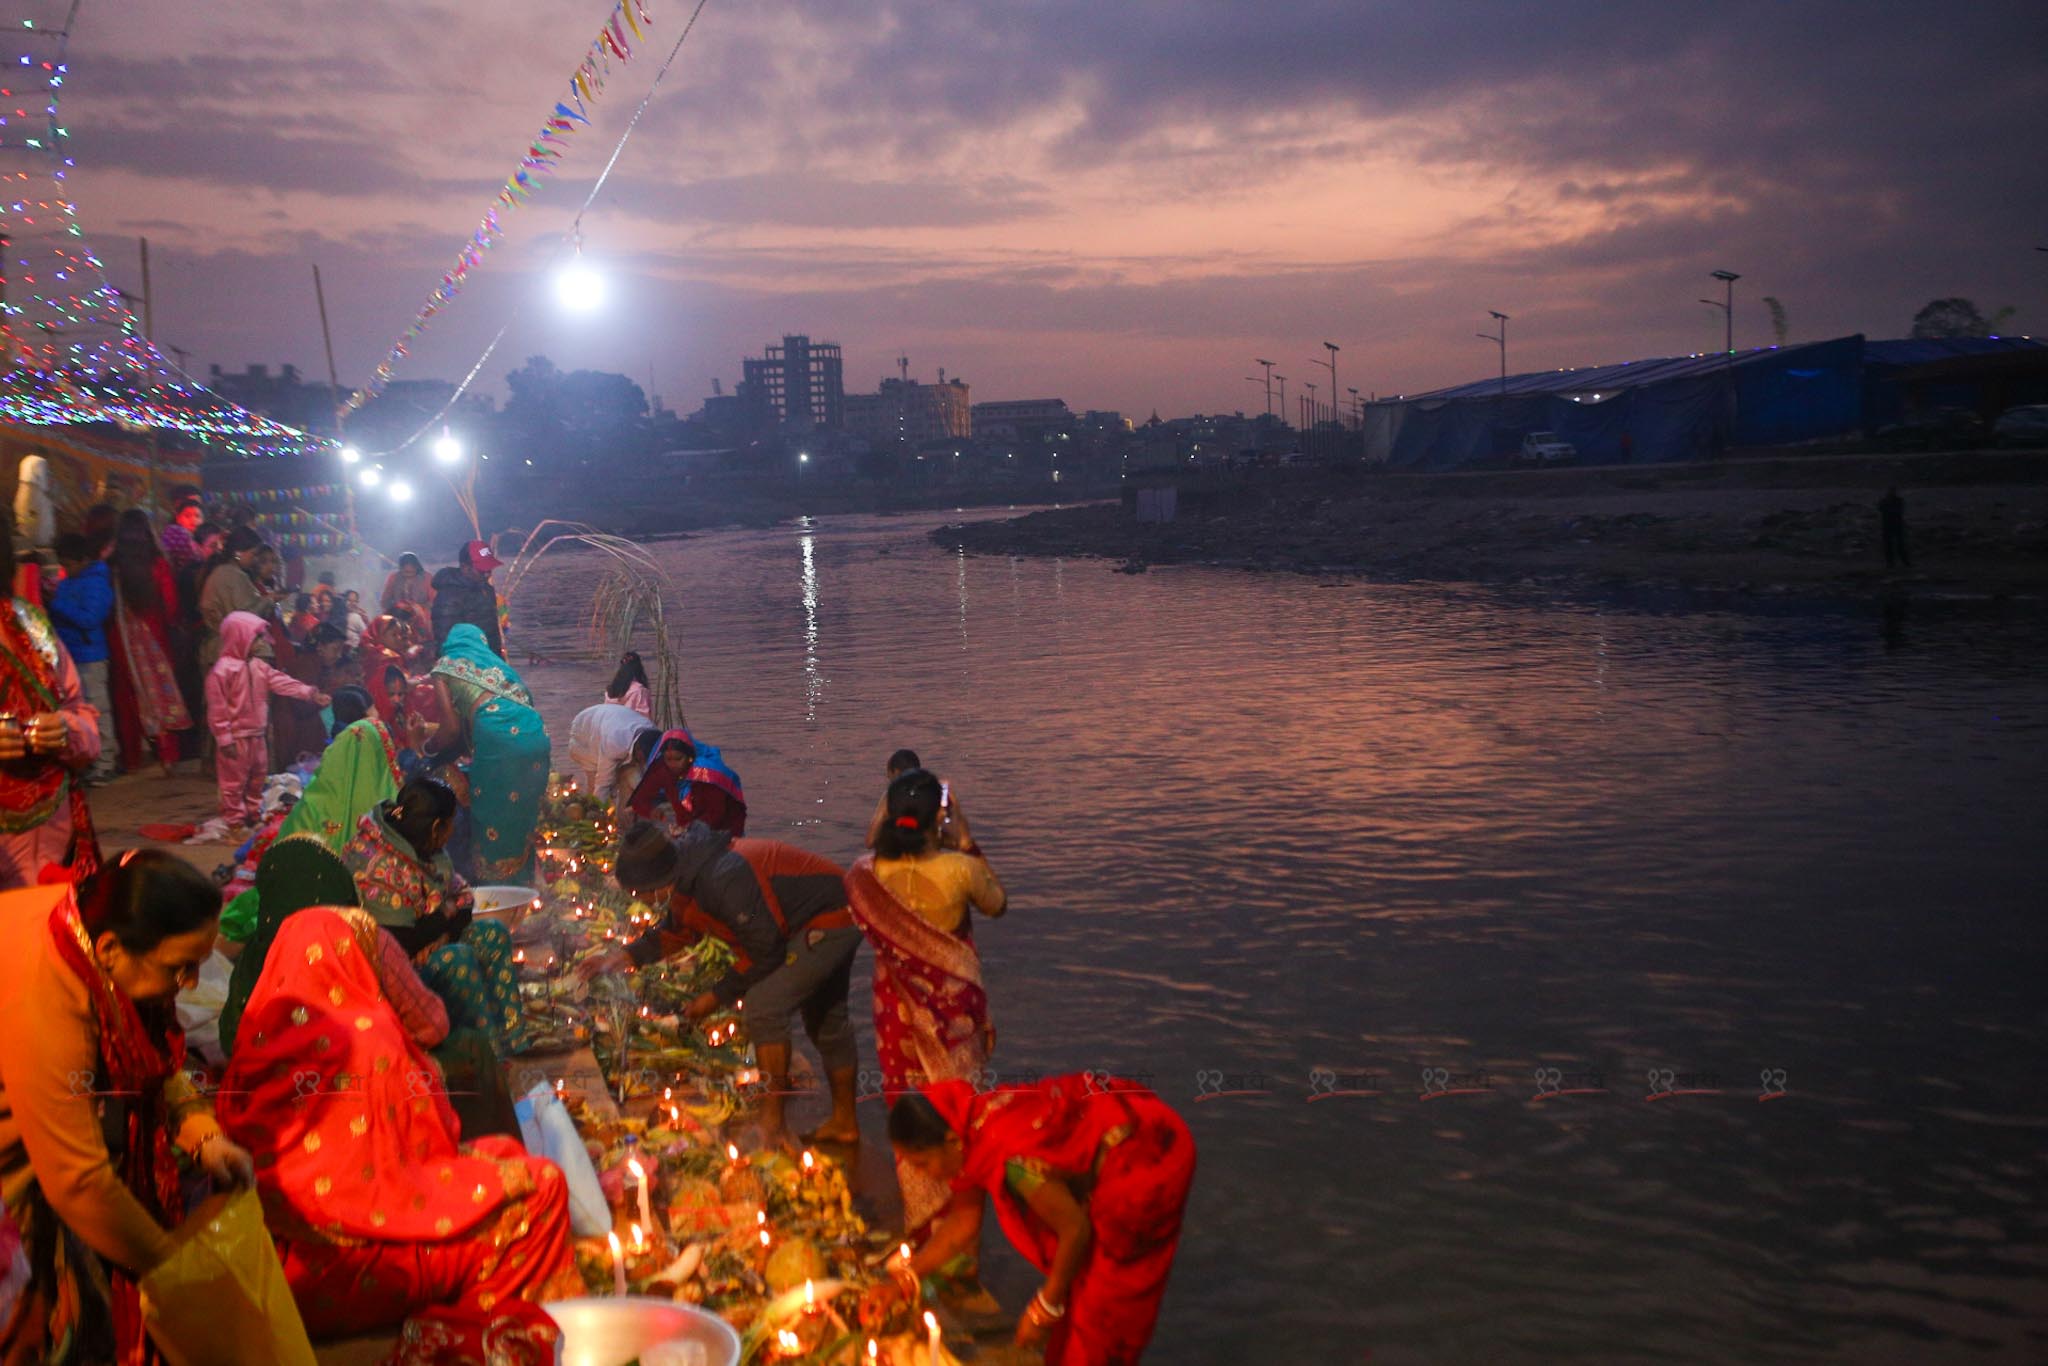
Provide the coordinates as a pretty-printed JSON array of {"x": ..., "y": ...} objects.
[{"x": 1647, "y": 411}]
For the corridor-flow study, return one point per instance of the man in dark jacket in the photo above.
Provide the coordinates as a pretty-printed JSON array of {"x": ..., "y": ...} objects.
[
  {"x": 463, "y": 593},
  {"x": 783, "y": 912}
]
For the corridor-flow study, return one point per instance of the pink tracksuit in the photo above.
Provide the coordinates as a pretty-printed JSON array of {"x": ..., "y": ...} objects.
[{"x": 238, "y": 712}]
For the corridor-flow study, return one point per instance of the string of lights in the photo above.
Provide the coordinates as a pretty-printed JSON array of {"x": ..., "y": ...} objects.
[{"x": 71, "y": 351}]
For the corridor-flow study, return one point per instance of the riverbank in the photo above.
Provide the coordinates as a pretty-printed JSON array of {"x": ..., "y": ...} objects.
[{"x": 1808, "y": 527}]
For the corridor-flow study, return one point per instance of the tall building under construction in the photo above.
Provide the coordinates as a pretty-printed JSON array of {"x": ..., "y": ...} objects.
[{"x": 798, "y": 386}]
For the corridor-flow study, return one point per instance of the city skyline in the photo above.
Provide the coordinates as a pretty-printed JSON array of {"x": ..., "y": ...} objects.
[{"x": 1120, "y": 209}]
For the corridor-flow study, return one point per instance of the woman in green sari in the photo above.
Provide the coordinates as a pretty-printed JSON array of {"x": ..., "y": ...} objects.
[
  {"x": 301, "y": 872},
  {"x": 359, "y": 769},
  {"x": 488, "y": 713}
]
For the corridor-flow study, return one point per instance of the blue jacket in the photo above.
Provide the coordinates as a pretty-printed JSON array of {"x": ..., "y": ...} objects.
[{"x": 79, "y": 607}]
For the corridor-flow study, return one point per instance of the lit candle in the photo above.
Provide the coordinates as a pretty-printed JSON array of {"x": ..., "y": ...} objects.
[
  {"x": 519, "y": 956},
  {"x": 874, "y": 1350},
  {"x": 810, "y": 1163},
  {"x": 558, "y": 1088},
  {"x": 639, "y": 1239},
  {"x": 732, "y": 1153},
  {"x": 667, "y": 1094},
  {"x": 675, "y": 1115},
  {"x": 764, "y": 1237},
  {"x": 618, "y": 1265},
  {"x": 760, "y": 1216},
  {"x": 640, "y": 1177},
  {"x": 810, "y": 1297},
  {"x": 931, "y": 1330}
]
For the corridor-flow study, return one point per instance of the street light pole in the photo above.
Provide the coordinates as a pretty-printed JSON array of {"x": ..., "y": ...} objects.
[
  {"x": 1502, "y": 342},
  {"x": 1283, "y": 396},
  {"x": 1728, "y": 278},
  {"x": 1269, "y": 386},
  {"x": 1332, "y": 348}
]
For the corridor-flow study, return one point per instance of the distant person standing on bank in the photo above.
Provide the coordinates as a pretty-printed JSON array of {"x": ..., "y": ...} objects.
[{"x": 1891, "y": 516}]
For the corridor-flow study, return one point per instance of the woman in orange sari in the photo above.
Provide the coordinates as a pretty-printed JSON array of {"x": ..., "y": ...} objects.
[
  {"x": 380, "y": 1213},
  {"x": 1090, "y": 1177}
]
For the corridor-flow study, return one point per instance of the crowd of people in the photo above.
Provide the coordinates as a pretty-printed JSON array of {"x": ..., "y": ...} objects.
[{"x": 394, "y": 1185}]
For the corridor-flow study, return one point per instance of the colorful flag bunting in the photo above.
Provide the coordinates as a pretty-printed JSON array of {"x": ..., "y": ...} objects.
[{"x": 542, "y": 155}]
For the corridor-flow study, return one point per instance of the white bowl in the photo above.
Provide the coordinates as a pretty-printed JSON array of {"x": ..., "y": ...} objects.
[
  {"x": 509, "y": 904},
  {"x": 612, "y": 1330}
]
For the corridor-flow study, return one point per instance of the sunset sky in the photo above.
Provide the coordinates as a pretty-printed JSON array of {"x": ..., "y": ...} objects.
[{"x": 1117, "y": 202}]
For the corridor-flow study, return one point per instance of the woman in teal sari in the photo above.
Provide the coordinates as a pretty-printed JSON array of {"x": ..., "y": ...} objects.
[
  {"x": 489, "y": 714},
  {"x": 359, "y": 770}
]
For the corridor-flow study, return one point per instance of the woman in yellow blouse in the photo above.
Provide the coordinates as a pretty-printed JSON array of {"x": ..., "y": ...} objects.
[
  {"x": 97, "y": 1114},
  {"x": 911, "y": 899}
]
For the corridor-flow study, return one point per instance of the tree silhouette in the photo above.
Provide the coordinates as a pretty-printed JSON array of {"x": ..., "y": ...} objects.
[
  {"x": 574, "y": 416},
  {"x": 1781, "y": 327},
  {"x": 1955, "y": 317}
]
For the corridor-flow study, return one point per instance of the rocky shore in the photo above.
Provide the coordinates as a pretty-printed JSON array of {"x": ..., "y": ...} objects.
[{"x": 1799, "y": 526}]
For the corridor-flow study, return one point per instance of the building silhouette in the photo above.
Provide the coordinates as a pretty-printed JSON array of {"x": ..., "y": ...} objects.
[
  {"x": 907, "y": 413},
  {"x": 798, "y": 386}
]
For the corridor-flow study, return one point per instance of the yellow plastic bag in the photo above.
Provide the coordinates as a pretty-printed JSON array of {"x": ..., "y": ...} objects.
[{"x": 220, "y": 1298}]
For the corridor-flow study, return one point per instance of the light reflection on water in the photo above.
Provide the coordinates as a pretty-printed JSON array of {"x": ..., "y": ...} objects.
[{"x": 1257, "y": 826}]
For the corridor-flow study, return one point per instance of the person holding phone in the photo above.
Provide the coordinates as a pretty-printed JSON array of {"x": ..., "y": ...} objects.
[{"x": 912, "y": 899}]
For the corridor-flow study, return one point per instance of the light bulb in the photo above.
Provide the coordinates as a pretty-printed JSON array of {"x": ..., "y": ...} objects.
[
  {"x": 350, "y": 455},
  {"x": 371, "y": 476},
  {"x": 579, "y": 288},
  {"x": 447, "y": 449},
  {"x": 401, "y": 491}
]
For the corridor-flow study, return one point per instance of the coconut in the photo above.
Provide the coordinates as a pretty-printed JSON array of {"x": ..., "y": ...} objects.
[
  {"x": 695, "y": 1207},
  {"x": 797, "y": 1260}
]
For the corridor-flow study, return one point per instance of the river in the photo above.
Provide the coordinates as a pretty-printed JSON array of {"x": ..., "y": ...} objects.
[{"x": 1411, "y": 897}]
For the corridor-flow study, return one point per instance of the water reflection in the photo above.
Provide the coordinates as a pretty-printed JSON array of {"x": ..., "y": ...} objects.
[
  {"x": 1254, "y": 827},
  {"x": 814, "y": 678}
]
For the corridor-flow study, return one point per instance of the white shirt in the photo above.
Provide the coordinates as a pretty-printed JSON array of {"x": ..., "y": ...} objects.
[{"x": 600, "y": 739}]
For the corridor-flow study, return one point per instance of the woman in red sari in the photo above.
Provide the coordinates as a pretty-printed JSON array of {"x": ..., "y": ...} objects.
[
  {"x": 380, "y": 1213},
  {"x": 48, "y": 732},
  {"x": 1090, "y": 1178},
  {"x": 389, "y": 644},
  {"x": 147, "y": 704},
  {"x": 912, "y": 901}
]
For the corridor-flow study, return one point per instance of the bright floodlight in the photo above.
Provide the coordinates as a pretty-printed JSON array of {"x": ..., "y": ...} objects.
[
  {"x": 371, "y": 476},
  {"x": 350, "y": 455},
  {"x": 401, "y": 491},
  {"x": 579, "y": 288},
  {"x": 804, "y": 457},
  {"x": 447, "y": 449}
]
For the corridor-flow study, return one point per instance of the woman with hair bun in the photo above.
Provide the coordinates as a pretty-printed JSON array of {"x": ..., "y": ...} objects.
[{"x": 95, "y": 1104}]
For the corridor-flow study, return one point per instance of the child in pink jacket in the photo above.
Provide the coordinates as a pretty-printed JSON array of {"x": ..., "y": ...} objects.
[{"x": 238, "y": 712}]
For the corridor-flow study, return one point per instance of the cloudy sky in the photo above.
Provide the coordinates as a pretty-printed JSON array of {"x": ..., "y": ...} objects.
[{"x": 1119, "y": 202}]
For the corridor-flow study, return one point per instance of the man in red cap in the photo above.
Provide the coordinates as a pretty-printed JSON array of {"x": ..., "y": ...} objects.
[{"x": 463, "y": 593}]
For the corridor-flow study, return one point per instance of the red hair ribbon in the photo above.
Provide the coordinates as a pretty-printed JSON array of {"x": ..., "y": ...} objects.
[{"x": 906, "y": 822}]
